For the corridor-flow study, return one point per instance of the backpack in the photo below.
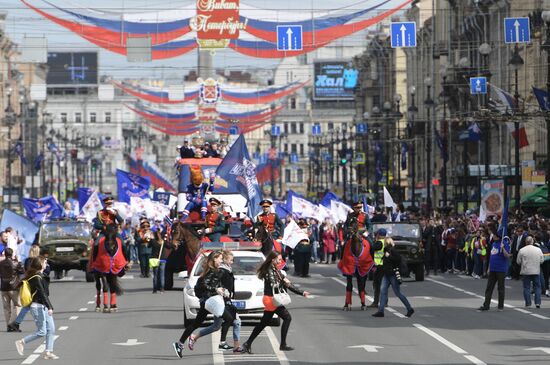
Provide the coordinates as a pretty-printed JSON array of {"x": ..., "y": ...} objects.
[{"x": 25, "y": 294}]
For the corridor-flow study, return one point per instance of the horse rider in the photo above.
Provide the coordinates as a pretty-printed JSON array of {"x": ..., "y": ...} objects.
[
  {"x": 357, "y": 221},
  {"x": 215, "y": 221},
  {"x": 106, "y": 216},
  {"x": 196, "y": 192},
  {"x": 270, "y": 220}
]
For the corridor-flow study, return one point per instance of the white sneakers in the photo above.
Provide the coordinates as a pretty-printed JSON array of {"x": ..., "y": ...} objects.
[
  {"x": 20, "y": 345},
  {"x": 50, "y": 356}
]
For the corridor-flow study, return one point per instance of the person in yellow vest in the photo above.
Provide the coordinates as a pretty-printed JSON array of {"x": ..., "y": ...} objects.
[
  {"x": 214, "y": 222},
  {"x": 379, "y": 237},
  {"x": 478, "y": 247}
]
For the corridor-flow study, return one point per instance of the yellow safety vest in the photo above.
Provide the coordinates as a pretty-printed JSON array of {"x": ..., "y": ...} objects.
[{"x": 379, "y": 255}]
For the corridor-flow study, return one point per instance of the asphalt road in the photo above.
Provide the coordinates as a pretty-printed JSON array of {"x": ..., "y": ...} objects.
[{"x": 446, "y": 328}]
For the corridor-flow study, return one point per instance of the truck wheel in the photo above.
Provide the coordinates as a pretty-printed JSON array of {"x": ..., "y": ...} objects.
[
  {"x": 58, "y": 274},
  {"x": 89, "y": 277},
  {"x": 168, "y": 280},
  {"x": 419, "y": 272}
]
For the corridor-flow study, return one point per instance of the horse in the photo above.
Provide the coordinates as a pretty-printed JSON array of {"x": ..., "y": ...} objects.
[
  {"x": 356, "y": 261},
  {"x": 108, "y": 263},
  {"x": 182, "y": 233},
  {"x": 268, "y": 243}
]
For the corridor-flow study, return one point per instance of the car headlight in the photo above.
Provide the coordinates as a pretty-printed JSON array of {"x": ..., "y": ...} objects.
[
  {"x": 414, "y": 250},
  {"x": 260, "y": 293},
  {"x": 190, "y": 292}
]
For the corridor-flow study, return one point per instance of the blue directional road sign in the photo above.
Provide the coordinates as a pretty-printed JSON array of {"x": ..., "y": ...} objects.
[
  {"x": 362, "y": 128},
  {"x": 275, "y": 130},
  {"x": 403, "y": 34},
  {"x": 516, "y": 30},
  {"x": 293, "y": 158},
  {"x": 478, "y": 85},
  {"x": 233, "y": 130},
  {"x": 289, "y": 38},
  {"x": 316, "y": 130}
]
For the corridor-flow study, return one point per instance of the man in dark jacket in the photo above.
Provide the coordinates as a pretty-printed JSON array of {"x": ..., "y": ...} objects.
[{"x": 9, "y": 280}]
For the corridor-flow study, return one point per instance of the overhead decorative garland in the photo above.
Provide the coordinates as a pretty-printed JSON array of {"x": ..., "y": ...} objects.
[
  {"x": 144, "y": 169},
  {"x": 217, "y": 24}
]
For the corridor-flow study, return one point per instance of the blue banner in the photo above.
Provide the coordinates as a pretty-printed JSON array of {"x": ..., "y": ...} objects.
[
  {"x": 38, "y": 162},
  {"x": 162, "y": 197},
  {"x": 83, "y": 196},
  {"x": 542, "y": 98},
  {"x": 237, "y": 169},
  {"x": 44, "y": 208},
  {"x": 131, "y": 185},
  {"x": 25, "y": 228},
  {"x": 329, "y": 196}
]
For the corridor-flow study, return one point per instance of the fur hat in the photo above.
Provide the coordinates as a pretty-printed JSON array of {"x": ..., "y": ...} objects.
[{"x": 197, "y": 177}]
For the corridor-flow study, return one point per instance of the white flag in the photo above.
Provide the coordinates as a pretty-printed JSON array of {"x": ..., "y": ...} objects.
[
  {"x": 482, "y": 214},
  {"x": 339, "y": 210},
  {"x": 303, "y": 207},
  {"x": 388, "y": 200},
  {"x": 123, "y": 209},
  {"x": 293, "y": 235},
  {"x": 92, "y": 206}
]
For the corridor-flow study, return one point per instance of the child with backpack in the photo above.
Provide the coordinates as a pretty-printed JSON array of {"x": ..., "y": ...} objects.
[{"x": 35, "y": 286}]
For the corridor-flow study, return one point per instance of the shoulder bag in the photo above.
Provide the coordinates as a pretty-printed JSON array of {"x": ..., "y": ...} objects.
[{"x": 280, "y": 296}]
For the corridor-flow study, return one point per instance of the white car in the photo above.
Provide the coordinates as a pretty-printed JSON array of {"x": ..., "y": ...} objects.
[{"x": 249, "y": 290}]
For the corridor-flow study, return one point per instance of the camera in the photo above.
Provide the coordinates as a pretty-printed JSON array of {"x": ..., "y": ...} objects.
[{"x": 398, "y": 275}]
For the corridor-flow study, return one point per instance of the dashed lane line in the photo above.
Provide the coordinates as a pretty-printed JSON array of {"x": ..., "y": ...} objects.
[
  {"x": 63, "y": 328},
  {"x": 83, "y": 309},
  {"x": 30, "y": 359},
  {"x": 482, "y": 297},
  {"x": 73, "y": 318},
  {"x": 91, "y": 302},
  {"x": 449, "y": 344},
  {"x": 217, "y": 355}
]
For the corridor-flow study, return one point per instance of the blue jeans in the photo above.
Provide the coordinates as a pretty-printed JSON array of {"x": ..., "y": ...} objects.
[
  {"x": 478, "y": 265},
  {"x": 45, "y": 326},
  {"x": 527, "y": 281},
  {"x": 451, "y": 258},
  {"x": 22, "y": 314},
  {"x": 158, "y": 276},
  {"x": 314, "y": 249},
  {"x": 133, "y": 253},
  {"x": 386, "y": 282}
]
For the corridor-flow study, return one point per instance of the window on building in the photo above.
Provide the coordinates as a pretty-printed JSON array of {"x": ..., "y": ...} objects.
[
  {"x": 286, "y": 128},
  {"x": 302, "y": 128},
  {"x": 287, "y": 176},
  {"x": 93, "y": 141},
  {"x": 78, "y": 117},
  {"x": 330, "y": 126},
  {"x": 300, "y": 176},
  {"x": 293, "y": 129},
  {"x": 93, "y": 117},
  {"x": 301, "y": 149},
  {"x": 107, "y": 117},
  {"x": 293, "y": 148},
  {"x": 63, "y": 117},
  {"x": 286, "y": 148},
  {"x": 108, "y": 168},
  {"x": 293, "y": 103}
]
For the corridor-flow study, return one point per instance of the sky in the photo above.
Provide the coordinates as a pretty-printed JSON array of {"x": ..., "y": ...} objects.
[{"x": 21, "y": 21}]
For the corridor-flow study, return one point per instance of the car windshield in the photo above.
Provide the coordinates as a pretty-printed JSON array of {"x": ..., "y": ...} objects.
[
  {"x": 65, "y": 229},
  {"x": 242, "y": 265},
  {"x": 400, "y": 229}
]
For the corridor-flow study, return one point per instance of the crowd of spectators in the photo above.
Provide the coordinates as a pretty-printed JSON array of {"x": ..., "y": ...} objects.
[{"x": 214, "y": 149}]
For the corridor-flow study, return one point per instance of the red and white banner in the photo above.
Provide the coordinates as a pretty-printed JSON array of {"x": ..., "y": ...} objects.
[{"x": 216, "y": 23}]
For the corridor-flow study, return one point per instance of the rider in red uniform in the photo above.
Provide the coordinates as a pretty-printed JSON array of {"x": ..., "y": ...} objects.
[
  {"x": 272, "y": 223},
  {"x": 107, "y": 215},
  {"x": 357, "y": 215},
  {"x": 214, "y": 222}
]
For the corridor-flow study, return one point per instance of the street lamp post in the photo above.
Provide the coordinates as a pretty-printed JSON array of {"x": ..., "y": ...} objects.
[
  {"x": 398, "y": 116},
  {"x": 387, "y": 109},
  {"x": 485, "y": 49},
  {"x": 10, "y": 121},
  {"x": 516, "y": 62},
  {"x": 412, "y": 111},
  {"x": 444, "y": 136},
  {"x": 429, "y": 104},
  {"x": 366, "y": 117},
  {"x": 546, "y": 46},
  {"x": 344, "y": 153}
]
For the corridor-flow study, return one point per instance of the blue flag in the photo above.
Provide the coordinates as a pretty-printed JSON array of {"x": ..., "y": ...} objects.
[
  {"x": 442, "y": 145},
  {"x": 38, "y": 161},
  {"x": 329, "y": 196},
  {"x": 503, "y": 227},
  {"x": 281, "y": 210},
  {"x": 83, "y": 195},
  {"x": 162, "y": 197},
  {"x": 542, "y": 98},
  {"x": 20, "y": 151},
  {"x": 39, "y": 209},
  {"x": 131, "y": 185},
  {"x": 472, "y": 134},
  {"x": 237, "y": 169},
  {"x": 25, "y": 227},
  {"x": 404, "y": 151}
]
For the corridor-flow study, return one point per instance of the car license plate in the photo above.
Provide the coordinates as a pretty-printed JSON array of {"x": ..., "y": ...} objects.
[
  {"x": 239, "y": 304},
  {"x": 64, "y": 249}
]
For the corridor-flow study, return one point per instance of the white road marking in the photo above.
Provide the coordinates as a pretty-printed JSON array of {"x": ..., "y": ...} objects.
[
  {"x": 217, "y": 355},
  {"x": 522, "y": 310},
  {"x": 445, "y": 342},
  {"x": 450, "y": 345},
  {"x": 367, "y": 348},
  {"x": 543, "y": 349},
  {"x": 40, "y": 349},
  {"x": 30, "y": 359},
  {"x": 539, "y": 316},
  {"x": 73, "y": 318},
  {"x": 130, "y": 342},
  {"x": 91, "y": 302},
  {"x": 63, "y": 328},
  {"x": 281, "y": 356},
  {"x": 67, "y": 278},
  {"x": 127, "y": 277},
  {"x": 83, "y": 309}
]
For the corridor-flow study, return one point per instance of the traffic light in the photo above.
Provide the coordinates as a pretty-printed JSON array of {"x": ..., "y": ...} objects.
[
  {"x": 345, "y": 156},
  {"x": 94, "y": 164}
]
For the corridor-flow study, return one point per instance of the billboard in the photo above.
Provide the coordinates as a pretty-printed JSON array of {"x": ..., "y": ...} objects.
[
  {"x": 492, "y": 196},
  {"x": 72, "y": 68},
  {"x": 335, "y": 80}
]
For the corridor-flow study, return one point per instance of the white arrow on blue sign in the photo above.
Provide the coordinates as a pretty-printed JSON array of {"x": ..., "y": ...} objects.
[
  {"x": 316, "y": 129},
  {"x": 403, "y": 34},
  {"x": 516, "y": 30},
  {"x": 478, "y": 85},
  {"x": 289, "y": 38},
  {"x": 294, "y": 158},
  {"x": 275, "y": 130}
]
